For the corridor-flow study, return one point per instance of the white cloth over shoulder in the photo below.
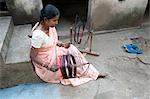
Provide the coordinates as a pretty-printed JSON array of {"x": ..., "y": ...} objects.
[{"x": 39, "y": 39}]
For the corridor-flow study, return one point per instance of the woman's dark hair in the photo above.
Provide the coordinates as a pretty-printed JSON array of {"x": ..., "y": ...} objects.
[{"x": 49, "y": 12}]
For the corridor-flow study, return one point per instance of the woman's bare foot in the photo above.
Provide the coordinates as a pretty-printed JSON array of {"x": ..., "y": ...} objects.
[{"x": 104, "y": 75}]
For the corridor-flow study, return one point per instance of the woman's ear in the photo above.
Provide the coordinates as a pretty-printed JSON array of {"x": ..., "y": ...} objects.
[{"x": 45, "y": 19}]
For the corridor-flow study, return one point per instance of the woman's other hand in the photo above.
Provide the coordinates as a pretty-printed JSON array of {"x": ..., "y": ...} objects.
[
  {"x": 66, "y": 45},
  {"x": 52, "y": 68},
  {"x": 60, "y": 44}
]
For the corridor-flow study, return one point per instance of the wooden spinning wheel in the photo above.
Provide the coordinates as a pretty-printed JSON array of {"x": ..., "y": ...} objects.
[{"x": 78, "y": 32}]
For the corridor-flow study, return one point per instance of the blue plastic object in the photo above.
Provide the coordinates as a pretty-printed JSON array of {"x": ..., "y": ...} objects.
[{"x": 132, "y": 48}]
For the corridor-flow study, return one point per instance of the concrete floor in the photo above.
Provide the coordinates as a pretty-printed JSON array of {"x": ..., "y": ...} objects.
[{"x": 129, "y": 74}]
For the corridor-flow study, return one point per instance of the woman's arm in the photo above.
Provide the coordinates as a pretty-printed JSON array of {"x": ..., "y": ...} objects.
[{"x": 34, "y": 57}]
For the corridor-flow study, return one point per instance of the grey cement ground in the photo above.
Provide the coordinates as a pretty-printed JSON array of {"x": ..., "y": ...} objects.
[
  {"x": 19, "y": 48},
  {"x": 129, "y": 78}
]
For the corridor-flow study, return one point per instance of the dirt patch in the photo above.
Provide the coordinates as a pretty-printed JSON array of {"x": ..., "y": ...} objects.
[{"x": 142, "y": 42}]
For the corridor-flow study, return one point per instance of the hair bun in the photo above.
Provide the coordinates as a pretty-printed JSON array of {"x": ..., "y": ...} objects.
[{"x": 49, "y": 11}]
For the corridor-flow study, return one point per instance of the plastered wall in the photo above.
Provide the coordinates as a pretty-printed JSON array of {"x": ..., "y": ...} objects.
[
  {"x": 112, "y": 14},
  {"x": 24, "y": 11},
  {"x": 103, "y": 14}
]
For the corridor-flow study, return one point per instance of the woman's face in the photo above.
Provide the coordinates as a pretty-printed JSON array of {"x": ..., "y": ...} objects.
[{"x": 52, "y": 22}]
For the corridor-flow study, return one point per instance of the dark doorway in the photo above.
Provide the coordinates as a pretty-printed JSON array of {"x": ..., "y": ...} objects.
[
  {"x": 147, "y": 12},
  {"x": 68, "y": 10},
  {"x": 3, "y": 8}
]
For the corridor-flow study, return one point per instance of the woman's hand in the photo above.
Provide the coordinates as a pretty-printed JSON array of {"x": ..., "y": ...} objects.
[
  {"x": 60, "y": 44},
  {"x": 65, "y": 45},
  {"x": 52, "y": 68}
]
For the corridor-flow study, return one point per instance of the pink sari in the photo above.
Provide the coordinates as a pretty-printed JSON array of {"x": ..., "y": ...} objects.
[{"x": 51, "y": 52}]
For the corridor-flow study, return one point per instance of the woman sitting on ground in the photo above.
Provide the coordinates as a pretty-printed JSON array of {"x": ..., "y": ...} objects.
[{"x": 46, "y": 51}]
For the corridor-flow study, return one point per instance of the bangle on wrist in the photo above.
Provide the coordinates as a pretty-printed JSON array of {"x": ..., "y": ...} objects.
[{"x": 44, "y": 65}]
